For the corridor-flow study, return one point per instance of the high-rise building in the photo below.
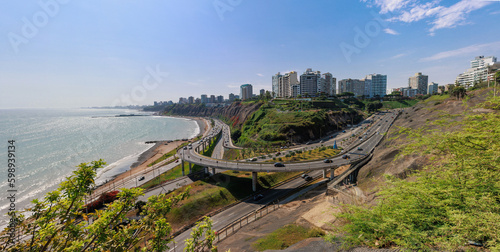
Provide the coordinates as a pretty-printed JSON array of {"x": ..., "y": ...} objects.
[
  {"x": 419, "y": 82},
  {"x": 231, "y": 97},
  {"x": 204, "y": 98},
  {"x": 212, "y": 99},
  {"x": 477, "y": 72},
  {"x": 246, "y": 91},
  {"x": 275, "y": 87},
  {"x": 326, "y": 84},
  {"x": 433, "y": 88},
  {"x": 220, "y": 99},
  {"x": 190, "y": 100},
  {"x": 309, "y": 82},
  {"x": 197, "y": 101},
  {"x": 262, "y": 92},
  {"x": 183, "y": 100},
  {"x": 285, "y": 84},
  {"x": 375, "y": 85},
  {"x": 295, "y": 90},
  {"x": 355, "y": 86}
]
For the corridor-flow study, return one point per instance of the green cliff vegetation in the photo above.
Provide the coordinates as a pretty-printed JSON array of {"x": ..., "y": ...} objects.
[
  {"x": 59, "y": 223},
  {"x": 453, "y": 202}
]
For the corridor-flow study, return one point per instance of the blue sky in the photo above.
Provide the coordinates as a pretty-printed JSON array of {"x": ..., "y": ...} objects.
[{"x": 71, "y": 53}]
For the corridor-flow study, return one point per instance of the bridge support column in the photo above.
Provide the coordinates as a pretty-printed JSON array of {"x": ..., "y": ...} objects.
[
  {"x": 190, "y": 168},
  {"x": 182, "y": 166},
  {"x": 213, "y": 171},
  {"x": 254, "y": 181},
  {"x": 332, "y": 173},
  {"x": 324, "y": 173}
]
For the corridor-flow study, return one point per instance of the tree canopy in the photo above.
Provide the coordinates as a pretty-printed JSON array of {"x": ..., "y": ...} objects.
[{"x": 59, "y": 223}]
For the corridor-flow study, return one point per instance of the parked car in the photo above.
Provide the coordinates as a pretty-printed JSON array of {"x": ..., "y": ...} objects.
[
  {"x": 327, "y": 161},
  {"x": 279, "y": 165},
  {"x": 252, "y": 159}
]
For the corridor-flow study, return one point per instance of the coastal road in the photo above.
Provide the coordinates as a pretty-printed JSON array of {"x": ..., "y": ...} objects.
[
  {"x": 234, "y": 213},
  {"x": 377, "y": 129}
]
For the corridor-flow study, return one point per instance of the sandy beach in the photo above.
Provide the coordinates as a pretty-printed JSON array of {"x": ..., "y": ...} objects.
[{"x": 152, "y": 154}]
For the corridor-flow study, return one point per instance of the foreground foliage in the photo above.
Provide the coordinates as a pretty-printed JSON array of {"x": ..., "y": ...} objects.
[
  {"x": 452, "y": 202},
  {"x": 59, "y": 222}
]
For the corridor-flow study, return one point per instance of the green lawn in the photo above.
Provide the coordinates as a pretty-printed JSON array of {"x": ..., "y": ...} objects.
[{"x": 286, "y": 236}]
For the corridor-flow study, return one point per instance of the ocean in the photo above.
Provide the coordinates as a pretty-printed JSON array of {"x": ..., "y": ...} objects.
[{"x": 50, "y": 143}]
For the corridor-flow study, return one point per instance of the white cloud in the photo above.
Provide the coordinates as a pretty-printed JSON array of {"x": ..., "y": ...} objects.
[
  {"x": 456, "y": 14},
  {"x": 465, "y": 50},
  {"x": 409, "y": 11},
  {"x": 260, "y": 75},
  {"x": 397, "y": 56},
  {"x": 388, "y": 5},
  {"x": 391, "y": 31},
  {"x": 494, "y": 12}
]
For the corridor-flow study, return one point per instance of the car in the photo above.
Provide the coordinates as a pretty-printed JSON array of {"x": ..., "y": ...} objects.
[
  {"x": 308, "y": 178},
  {"x": 252, "y": 159},
  {"x": 360, "y": 137},
  {"x": 327, "y": 161},
  {"x": 308, "y": 143},
  {"x": 359, "y": 148},
  {"x": 343, "y": 131},
  {"x": 177, "y": 161},
  {"x": 190, "y": 147},
  {"x": 141, "y": 178},
  {"x": 279, "y": 165},
  {"x": 258, "y": 197},
  {"x": 185, "y": 148},
  {"x": 345, "y": 156},
  {"x": 304, "y": 175}
]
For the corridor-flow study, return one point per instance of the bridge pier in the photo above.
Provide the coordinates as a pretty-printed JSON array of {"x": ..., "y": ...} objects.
[
  {"x": 332, "y": 173},
  {"x": 182, "y": 166},
  {"x": 213, "y": 171},
  {"x": 324, "y": 173},
  {"x": 190, "y": 168},
  {"x": 254, "y": 181}
]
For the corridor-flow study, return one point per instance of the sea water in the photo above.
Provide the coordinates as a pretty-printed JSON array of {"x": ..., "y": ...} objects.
[{"x": 50, "y": 143}]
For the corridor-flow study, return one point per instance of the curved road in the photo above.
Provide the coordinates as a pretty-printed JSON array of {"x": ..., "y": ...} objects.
[{"x": 366, "y": 145}]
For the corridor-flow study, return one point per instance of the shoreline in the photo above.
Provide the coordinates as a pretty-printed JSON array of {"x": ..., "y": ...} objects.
[{"x": 153, "y": 153}]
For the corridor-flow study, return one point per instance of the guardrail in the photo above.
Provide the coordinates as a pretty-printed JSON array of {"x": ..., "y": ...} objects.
[{"x": 245, "y": 220}]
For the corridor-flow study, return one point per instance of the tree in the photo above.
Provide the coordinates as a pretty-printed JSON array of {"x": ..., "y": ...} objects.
[
  {"x": 58, "y": 222},
  {"x": 450, "y": 202}
]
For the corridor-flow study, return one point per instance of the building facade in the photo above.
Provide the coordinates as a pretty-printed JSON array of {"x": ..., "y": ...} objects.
[
  {"x": 276, "y": 83},
  {"x": 246, "y": 91},
  {"x": 477, "y": 72},
  {"x": 204, "y": 98},
  {"x": 309, "y": 82},
  {"x": 355, "y": 86},
  {"x": 419, "y": 82},
  {"x": 375, "y": 85},
  {"x": 433, "y": 88}
]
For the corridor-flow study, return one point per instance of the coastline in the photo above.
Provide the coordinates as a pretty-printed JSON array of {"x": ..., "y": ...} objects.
[{"x": 153, "y": 153}]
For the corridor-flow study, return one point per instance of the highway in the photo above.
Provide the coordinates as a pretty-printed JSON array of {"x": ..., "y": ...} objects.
[
  {"x": 222, "y": 219},
  {"x": 367, "y": 143}
]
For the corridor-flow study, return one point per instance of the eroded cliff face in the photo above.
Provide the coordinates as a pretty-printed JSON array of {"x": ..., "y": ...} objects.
[{"x": 237, "y": 113}]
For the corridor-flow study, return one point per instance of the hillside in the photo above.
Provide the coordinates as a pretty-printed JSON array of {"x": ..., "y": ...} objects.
[{"x": 436, "y": 107}]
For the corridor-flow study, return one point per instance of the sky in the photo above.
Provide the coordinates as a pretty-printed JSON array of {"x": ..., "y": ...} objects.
[{"x": 70, "y": 54}]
